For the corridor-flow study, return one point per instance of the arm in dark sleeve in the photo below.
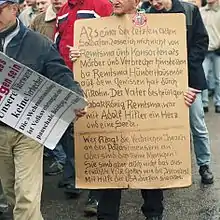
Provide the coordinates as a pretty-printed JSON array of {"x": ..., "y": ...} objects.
[
  {"x": 56, "y": 70},
  {"x": 200, "y": 41}
]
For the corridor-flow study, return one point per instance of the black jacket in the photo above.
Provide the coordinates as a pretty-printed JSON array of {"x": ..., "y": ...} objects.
[
  {"x": 197, "y": 41},
  {"x": 38, "y": 53}
]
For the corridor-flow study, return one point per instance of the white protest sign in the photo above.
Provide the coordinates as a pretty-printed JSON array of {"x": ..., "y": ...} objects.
[{"x": 34, "y": 105}]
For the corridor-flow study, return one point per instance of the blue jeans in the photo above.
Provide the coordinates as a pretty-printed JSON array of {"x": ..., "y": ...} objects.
[
  {"x": 200, "y": 132},
  {"x": 59, "y": 154},
  {"x": 67, "y": 142},
  {"x": 211, "y": 67},
  {"x": 211, "y": 80}
]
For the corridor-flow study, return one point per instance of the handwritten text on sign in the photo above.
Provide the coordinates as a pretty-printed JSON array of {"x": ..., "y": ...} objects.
[{"x": 136, "y": 132}]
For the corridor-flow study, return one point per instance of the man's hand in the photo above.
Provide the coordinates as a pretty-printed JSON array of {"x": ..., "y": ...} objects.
[
  {"x": 190, "y": 96},
  {"x": 80, "y": 112},
  {"x": 74, "y": 53}
]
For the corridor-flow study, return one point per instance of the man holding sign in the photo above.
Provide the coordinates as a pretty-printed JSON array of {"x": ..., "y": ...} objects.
[
  {"x": 21, "y": 157},
  {"x": 153, "y": 207},
  {"x": 110, "y": 198}
]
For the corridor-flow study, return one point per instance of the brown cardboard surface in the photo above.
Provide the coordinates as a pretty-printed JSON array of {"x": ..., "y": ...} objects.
[{"x": 134, "y": 72}]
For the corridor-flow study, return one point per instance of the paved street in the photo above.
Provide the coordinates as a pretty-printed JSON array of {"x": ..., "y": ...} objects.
[{"x": 195, "y": 203}]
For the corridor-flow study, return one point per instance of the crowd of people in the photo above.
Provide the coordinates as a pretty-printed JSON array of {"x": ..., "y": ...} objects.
[{"x": 50, "y": 23}]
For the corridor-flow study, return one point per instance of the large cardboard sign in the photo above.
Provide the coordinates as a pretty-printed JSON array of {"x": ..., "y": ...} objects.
[
  {"x": 35, "y": 105},
  {"x": 134, "y": 72}
]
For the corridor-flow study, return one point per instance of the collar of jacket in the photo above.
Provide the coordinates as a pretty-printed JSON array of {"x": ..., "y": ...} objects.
[
  {"x": 17, "y": 40},
  {"x": 50, "y": 14},
  {"x": 215, "y": 7},
  {"x": 31, "y": 11},
  {"x": 73, "y": 3},
  {"x": 176, "y": 8}
]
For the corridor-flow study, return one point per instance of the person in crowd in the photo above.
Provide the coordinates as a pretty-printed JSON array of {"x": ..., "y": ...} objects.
[
  {"x": 28, "y": 14},
  {"x": 45, "y": 24},
  {"x": 71, "y": 11},
  {"x": 42, "y": 5},
  {"x": 197, "y": 41},
  {"x": 109, "y": 203},
  {"x": 210, "y": 78},
  {"x": 21, "y": 157},
  {"x": 64, "y": 38},
  {"x": 211, "y": 18}
]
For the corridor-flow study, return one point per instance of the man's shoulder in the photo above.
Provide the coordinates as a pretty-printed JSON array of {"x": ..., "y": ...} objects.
[
  {"x": 26, "y": 12},
  {"x": 63, "y": 10},
  {"x": 190, "y": 11},
  {"x": 101, "y": 2},
  {"x": 40, "y": 17},
  {"x": 93, "y": 4},
  {"x": 34, "y": 36},
  {"x": 102, "y": 7},
  {"x": 38, "y": 21},
  {"x": 188, "y": 5}
]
